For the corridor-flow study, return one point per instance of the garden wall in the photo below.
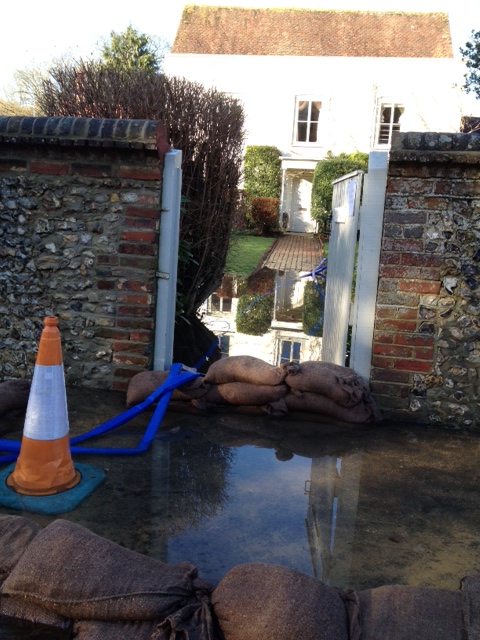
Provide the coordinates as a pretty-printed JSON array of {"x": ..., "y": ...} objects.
[
  {"x": 79, "y": 219},
  {"x": 426, "y": 351}
]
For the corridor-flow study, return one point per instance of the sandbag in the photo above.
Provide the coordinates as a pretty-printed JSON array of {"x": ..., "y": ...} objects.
[
  {"x": 244, "y": 394},
  {"x": 19, "y": 609},
  {"x": 18, "y": 629},
  {"x": 244, "y": 369},
  {"x": 14, "y": 395},
  {"x": 315, "y": 403},
  {"x": 339, "y": 384},
  {"x": 268, "y": 602},
  {"x": 471, "y": 606},
  {"x": 71, "y": 571},
  {"x": 145, "y": 383},
  {"x": 410, "y": 613},
  {"x": 99, "y": 630},
  {"x": 16, "y": 533}
]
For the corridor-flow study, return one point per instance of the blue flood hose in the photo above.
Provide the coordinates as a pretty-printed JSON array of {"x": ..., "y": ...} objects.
[{"x": 175, "y": 379}]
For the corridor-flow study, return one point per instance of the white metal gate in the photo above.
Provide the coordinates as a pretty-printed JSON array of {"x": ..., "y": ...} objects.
[{"x": 349, "y": 218}]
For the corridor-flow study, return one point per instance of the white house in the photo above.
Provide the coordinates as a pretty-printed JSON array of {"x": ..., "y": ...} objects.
[{"x": 314, "y": 81}]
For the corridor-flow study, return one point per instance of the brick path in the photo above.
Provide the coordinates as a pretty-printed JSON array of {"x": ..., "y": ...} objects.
[{"x": 295, "y": 252}]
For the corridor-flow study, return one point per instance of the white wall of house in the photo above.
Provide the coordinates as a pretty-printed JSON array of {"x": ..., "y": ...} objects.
[{"x": 350, "y": 91}]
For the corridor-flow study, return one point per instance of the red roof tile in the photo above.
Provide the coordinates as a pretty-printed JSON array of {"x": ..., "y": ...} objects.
[{"x": 303, "y": 32}]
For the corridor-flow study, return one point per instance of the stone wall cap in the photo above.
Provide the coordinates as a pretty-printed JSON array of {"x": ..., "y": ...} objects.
[
  {"x": 106, "y": 132},
  {"x": 435, "y": 142}
]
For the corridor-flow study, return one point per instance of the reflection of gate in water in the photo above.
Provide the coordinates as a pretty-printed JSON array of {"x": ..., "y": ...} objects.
[
  {"x": 332, "y": 512},
  {"x": 349, "y": 221}
]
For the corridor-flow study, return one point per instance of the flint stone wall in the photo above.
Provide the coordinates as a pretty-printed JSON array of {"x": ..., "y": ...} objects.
[
  {"x": 426, "y": 350},
  {"x": 79, "y": 218}
]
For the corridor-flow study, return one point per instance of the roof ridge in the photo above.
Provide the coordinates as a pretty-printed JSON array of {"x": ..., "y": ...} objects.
[{"x": 202, "y": 7}]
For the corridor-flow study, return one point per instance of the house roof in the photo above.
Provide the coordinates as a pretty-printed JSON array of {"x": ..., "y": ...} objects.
[{"x": 304, "y": 32}]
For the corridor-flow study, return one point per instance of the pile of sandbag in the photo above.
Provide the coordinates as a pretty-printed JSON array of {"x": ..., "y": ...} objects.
[
  {"x": 330, "y": 389},
  {"x": 67, "y": 577},
  {"x": 248, "y": 382},
  {"x": 267, "y": 602},
  {"x": 70, "y": 579}
]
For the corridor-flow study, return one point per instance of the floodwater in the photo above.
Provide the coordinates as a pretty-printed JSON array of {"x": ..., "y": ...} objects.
[{"x": 355, "y": 506}]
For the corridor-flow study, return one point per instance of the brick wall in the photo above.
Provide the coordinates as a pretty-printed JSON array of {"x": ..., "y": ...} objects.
[
  {"x": 79, "y": 220},
  {"x": 426, "y": 350}
]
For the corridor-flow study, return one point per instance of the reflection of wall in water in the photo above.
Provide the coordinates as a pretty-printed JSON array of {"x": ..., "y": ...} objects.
[{"x": 332, "y": 512}]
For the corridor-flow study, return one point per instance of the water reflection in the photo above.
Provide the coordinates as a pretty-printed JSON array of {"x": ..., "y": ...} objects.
[
  {"x": 332, "y": 511},
  {"x": 356, "y": 506},
  {"x": 282, "y": 507},
  {"x": 289, "y": 319}
]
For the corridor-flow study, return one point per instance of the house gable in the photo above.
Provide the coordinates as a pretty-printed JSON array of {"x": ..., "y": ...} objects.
[{"x": 303, "y": 32}]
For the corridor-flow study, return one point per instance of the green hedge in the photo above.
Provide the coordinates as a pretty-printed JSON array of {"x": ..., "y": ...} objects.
[
  {"x": 262, "y": 169},
  {"x": 326, "y": 171},
  {"x": 254, "y": 314},
  {"x": 313, "y": 310}
]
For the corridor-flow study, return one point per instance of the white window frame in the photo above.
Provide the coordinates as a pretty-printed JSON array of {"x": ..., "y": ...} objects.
[
  {"x": 291, "y": 339},
  {"x": 310, "y": 99},
  {"x": 392, "y": 125}
]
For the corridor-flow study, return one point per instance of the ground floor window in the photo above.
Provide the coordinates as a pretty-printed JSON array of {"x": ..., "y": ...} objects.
[{"x": 290, "y": 350}]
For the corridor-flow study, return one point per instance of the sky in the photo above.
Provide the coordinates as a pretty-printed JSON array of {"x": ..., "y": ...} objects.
[{"x": 52, "y": 28}]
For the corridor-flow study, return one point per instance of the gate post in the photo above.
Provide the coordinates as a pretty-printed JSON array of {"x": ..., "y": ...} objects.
[
  {"x": 168, "y": 261},
  {"x": 371, "y": 229}
]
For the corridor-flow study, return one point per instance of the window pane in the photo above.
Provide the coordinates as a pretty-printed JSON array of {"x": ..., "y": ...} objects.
[
  {"x": 386, "y": 114},
  {"x": 313, "y": 132},
  {"x": 285, "y": 352},
  {"x": 397, "y": 114},
  {"x": 227, "y": 304},
  {"x": 303, "y": 110},
  {"x": 315, "y": 114},
  {"x": 302, "y": 132},
  {"x": 384, "y": 134},
  {"x": 296, "y": 351}
]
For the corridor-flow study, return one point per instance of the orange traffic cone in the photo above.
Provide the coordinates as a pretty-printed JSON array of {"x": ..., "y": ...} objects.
[{"x": 44, "y": 465}]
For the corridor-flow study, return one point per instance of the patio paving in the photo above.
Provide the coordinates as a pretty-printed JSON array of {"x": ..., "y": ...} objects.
[{"x": 295, "y": 252}]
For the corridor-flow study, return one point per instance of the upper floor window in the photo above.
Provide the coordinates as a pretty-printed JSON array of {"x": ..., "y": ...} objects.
[
  {"x": 307, "y": 118},
  {"x": 389, "y": 120}
]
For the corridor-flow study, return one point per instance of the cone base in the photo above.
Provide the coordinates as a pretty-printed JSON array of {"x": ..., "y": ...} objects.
[
  {"x": 43, "y": 468},
  {"x": 53, "y": 505},
  {"x": 12, "y": 484}
]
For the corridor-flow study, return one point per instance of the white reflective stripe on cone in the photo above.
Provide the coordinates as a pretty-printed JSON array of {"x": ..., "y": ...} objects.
[{"x": 47, "y": 415}]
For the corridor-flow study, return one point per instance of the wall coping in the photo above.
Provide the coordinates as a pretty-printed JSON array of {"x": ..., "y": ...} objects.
[
  {"x": 87, "y": 132},
  {"x": 410, "y": 143}
]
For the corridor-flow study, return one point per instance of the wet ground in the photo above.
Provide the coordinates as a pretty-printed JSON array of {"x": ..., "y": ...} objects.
[{"x": 355, "y": 506}]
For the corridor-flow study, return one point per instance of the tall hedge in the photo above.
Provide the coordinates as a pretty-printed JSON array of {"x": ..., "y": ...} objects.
[
  {"x": 262, "y": 169},
  {"x": 326, "y": 171}
]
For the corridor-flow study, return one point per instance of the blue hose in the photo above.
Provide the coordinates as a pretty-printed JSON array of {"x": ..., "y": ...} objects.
[{"x": 163, "y": 394}]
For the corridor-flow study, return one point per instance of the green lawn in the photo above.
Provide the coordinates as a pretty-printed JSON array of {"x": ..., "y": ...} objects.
[{"x": 245, "y": 253}]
